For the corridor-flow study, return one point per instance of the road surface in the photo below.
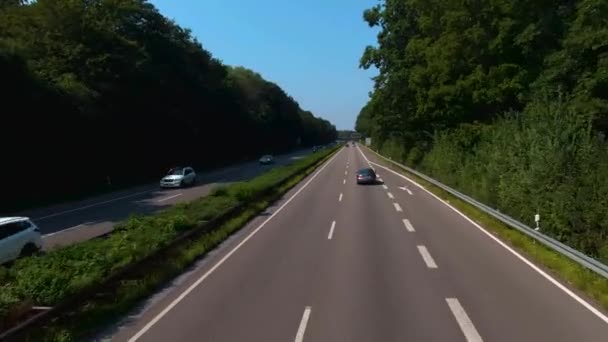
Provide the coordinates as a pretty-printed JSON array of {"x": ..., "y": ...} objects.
[
  {"x": 339, "y": 262},
  {"x": 74, "y": 222}
]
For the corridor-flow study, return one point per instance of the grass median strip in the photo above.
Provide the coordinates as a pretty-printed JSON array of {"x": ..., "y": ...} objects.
[
  {"x": 588, "y": 282},
  {"x": 49, "y": 279}
]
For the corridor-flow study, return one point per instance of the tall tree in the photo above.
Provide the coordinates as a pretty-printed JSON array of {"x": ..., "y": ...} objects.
[{"x": 114, "y": 88}]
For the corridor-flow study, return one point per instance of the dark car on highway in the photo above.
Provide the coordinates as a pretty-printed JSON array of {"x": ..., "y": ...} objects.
[{"x": 366, "y": 176}]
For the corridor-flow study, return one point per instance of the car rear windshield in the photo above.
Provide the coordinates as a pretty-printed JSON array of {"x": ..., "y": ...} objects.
[{"x": 366, "y": 172}]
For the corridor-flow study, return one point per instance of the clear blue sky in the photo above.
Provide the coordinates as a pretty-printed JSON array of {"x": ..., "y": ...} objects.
[{"x": 310, "y": 48}]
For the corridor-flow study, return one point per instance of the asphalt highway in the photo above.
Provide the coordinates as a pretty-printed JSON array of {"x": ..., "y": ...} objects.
[
  {"x": 78, "y": 221},
  {"x": 334, "y": 261}
]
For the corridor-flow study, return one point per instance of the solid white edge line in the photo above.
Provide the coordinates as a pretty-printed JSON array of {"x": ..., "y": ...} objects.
[
  {"x": 408, "y": 225},
  {"x": 92, "y": 205},
  {"x": 426, "y": 256},
  {"x": 183, "y": 295},
  {"x": 544, "y": 274},
  {"x": 63, "y": 230},
  {"x": 465, "y": 323},
  {"x": 303, "y": 324},
  {"x": 331, "y": 230},
  {"x": 168, "y": 198},
  {"x": 340, "y": 198},
  {"x": 211, "y": 174},
  {"x": 390, "y": 195},
  {"x": 397, "y": 207}
]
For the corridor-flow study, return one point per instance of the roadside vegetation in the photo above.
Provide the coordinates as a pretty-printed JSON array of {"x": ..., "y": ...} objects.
[
  {"x": 506, "y": 101},
  {"x": 49, "y": 279},
  {"x": 578, "y": 277},
  {"x": 99, "y": 95}
]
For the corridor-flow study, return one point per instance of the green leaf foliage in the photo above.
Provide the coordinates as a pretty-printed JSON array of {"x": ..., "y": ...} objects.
[
  {"x": 504, "y": 100},
  {"x": 50, "y": 278},
  {"x": 102, "y": 88}
]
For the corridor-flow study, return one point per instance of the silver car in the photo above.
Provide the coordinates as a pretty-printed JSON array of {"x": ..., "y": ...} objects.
[
  {"x": 267, "y": 159},
  {"x": 178, "y": 177}
]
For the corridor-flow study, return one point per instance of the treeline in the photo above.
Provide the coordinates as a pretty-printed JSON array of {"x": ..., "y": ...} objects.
[
  {"x": 505, "y": 100},
  {"x": 100, "y": 88}
]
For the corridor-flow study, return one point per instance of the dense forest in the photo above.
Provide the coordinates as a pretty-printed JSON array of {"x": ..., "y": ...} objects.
[
  {"x": 505, "y": 100},
  {"x": 100, "y": 88}
]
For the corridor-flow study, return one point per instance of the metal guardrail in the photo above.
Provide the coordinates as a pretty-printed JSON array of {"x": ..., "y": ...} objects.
[{"x": 567, "y": 251}]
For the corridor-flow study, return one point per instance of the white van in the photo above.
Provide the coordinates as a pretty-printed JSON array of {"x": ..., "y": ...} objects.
[{"x": 19, "y": 236}]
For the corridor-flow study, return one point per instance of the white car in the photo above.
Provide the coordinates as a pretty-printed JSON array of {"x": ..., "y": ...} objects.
[
  {"x": 267, "y": 159},
  {"x": 178, "y": 177},
  {"x": 19, "y": 236}
]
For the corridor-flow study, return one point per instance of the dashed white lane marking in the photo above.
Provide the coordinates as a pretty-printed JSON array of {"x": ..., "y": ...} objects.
[
  {"x": 344, "y": 181},
  {"x": 426, "y": 256},
  {"x": 331, "y": 230},
  {"x": 340, "y": 198},
  {"x": 117, "y": 199},
  {"x": 380, "y": 180},
  {"x": 42, "y": 307},
  {"x": 465, "y": 323},
  {"x": 397, "y": 207},
  {"x": 529, "y": 263},
  {"x": 202, "y": 278},
  {"x": 408, "y": 225},
  {"x": 168, "y": 198},
  {"x": 303, "y": 324},
  {"x": 385, "y": 187},
  {"x": 345, "y": 173},
  {"x": 390, "y": 195}
]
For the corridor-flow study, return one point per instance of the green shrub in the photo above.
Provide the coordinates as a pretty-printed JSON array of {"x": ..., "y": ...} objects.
[
  {"x": 393, "y": 148},
  {"x": 546, "y": 160},
  {"x": 219, "y": 191},
  {"x": 50, "y": 278}
]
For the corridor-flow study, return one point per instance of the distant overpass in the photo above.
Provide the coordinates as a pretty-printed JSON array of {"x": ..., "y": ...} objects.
[{"x": 348, "y": 135}]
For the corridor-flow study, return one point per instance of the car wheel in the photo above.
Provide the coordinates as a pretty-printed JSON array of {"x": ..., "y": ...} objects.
[{"x": 28, "y": 250}]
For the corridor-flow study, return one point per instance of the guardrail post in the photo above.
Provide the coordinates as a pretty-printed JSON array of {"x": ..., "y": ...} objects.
[{"x": 561, "y": 248}]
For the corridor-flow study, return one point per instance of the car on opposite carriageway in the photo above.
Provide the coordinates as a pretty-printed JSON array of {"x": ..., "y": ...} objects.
[
  {"x": 266, "y": 159},
  {"x": 178, "y": 177}
]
